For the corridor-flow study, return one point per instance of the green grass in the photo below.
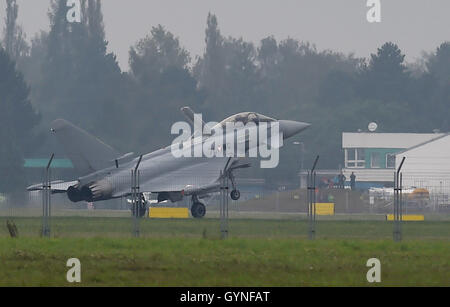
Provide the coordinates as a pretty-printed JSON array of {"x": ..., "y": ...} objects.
[
  {"x": 84, "y": 227},
  {"x": 233, "y": 262},
  {"x": 259, "y": 252}
]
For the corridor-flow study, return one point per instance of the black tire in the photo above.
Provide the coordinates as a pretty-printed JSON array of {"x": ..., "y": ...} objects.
[
  {"x": 198, "y": 210},
  {"x": 142, "y": 209},
  {"x": 235, "y": 194}
]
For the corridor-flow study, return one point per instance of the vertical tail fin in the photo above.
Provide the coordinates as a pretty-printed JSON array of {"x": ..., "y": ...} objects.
[{"x": 88, "y": 153}]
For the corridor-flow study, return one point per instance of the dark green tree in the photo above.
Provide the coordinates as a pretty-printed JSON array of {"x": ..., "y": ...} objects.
[
  {"x": 17, "y": 121},
  {"x": 227, "y": 72},
  {"x": 81, "y": 80},
  {"x": 161, "y": 83},
  {"x": 386, "y": 76},
  {"x": 438, "y": 64},
  {"x": 436, "y": 85},
  {"x": 210, "y": 69},
  {"x": 14, "y": 39},
  {"x": 268, "y": 57},
  {"x": 155, "y": 54}
]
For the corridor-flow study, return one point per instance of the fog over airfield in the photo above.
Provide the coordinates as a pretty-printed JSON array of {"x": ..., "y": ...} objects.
[{"x": 341, "y": 25}]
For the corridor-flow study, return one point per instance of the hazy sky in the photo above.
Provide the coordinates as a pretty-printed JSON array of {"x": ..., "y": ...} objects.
[{"x": 416, "y": 25}]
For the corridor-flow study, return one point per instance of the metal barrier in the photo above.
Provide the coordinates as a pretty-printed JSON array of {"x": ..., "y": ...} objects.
[
  {"x": 224, "y": 214},
  {"x": 312, "y": 201},
  {"x": 265, "y": 211},
  {"x": 136, "y": 199},
  {"x": 398, "y": 203},
  {"x": 47, "y": 199}
]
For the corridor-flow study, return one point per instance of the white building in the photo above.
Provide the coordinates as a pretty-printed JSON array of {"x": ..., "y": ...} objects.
[
  {"x": 427, "y": 165},
  {"x": 372, "y": 156}
]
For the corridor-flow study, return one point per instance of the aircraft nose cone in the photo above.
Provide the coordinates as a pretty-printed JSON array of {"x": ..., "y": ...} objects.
[{"x": 290, "y": 127}]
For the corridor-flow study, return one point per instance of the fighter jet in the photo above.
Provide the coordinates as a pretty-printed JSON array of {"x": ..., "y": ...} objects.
[{"x": 106, "y": 174}]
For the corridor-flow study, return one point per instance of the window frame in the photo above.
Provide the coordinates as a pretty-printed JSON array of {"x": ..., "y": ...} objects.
[
  {"x": 387, "y": 159},
  {"x": 357, "y": 162},
  {"x": 372, "y": 160}
]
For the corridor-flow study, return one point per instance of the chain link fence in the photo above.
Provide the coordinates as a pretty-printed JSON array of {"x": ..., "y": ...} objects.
[{"x": 261, "y": 211}]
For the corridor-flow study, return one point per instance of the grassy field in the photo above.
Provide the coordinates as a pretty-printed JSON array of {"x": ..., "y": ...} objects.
[
  {"x": 354, "y": 227},
  {"x": 233, "y": 262},
  {"x": 259, "y": 252}
]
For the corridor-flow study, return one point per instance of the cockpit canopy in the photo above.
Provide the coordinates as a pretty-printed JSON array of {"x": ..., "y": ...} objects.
[{"x": 246, "y": 117}]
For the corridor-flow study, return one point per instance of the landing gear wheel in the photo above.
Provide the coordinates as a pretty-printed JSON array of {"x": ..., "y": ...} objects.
[
  {"x": 198, "y": 210},
  {"x": 235, "y": 194},
  {"x": 141, "y": 207},
  {"x": 141, "y": 210}
]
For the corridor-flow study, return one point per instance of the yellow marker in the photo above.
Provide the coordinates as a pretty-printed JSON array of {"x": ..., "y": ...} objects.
[
  {"x": 168, "y": 213},
  {"x": 324, "y": 208},
  {"x": 407, "y": 217}
]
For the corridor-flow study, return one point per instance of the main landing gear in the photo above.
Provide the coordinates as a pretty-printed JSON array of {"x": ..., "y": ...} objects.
[
  {"x": 141, "y": 207},
  {"x": 198, "y": 209}
]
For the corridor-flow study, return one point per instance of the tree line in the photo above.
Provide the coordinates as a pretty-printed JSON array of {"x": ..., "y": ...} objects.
[{"x": 68, "y": 72}]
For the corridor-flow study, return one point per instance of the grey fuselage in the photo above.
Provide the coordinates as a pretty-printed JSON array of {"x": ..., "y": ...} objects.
[{"x": 164, "y": 173}]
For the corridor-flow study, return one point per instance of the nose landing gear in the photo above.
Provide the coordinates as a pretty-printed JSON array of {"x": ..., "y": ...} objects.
[{"x": 235, "y": 194}]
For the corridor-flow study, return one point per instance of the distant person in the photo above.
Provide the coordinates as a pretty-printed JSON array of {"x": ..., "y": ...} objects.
[
  {"x": 352, "y": 180},
  {"x": 342, "y": 179}
]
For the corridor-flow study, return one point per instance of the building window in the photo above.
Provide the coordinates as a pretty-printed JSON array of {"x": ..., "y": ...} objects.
[
  {"x": 355, "y": 158},
  {"x": 390, "y": 161},
  {"x": 375, "y": 160}
]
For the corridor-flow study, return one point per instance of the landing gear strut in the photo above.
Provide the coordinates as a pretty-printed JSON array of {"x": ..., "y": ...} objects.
[{"x": 235, "y": 194}]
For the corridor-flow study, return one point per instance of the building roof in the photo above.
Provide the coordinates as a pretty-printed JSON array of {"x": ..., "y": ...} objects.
[
  {"x": 386, "y": 140},
  {"x": 443, "y": 135},
  {"x": 42, "y": 163}
]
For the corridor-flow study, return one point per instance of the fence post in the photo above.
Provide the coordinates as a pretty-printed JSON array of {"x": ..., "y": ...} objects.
[
  {"x": 223, "y": 205},
  {"x": 312, "y": 201},
  {"x": 398, "y": 203},
  {"x": 46, "y": 199},
  {"x": 136, "y": 198}
]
